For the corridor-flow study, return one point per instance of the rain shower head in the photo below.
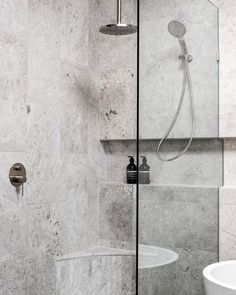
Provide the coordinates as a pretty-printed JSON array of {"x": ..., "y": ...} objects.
[
  {"x": 177, "y": 28},
  {"x": 118, "y": 29}
]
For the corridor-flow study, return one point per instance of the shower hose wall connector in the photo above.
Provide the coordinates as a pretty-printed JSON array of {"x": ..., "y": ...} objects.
[{"x": 186, "y": 57}]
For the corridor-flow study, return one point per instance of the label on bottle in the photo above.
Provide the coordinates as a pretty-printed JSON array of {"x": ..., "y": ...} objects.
[
  {"x": 132, "y": 176},
  {"x": 144, "y": 177}
]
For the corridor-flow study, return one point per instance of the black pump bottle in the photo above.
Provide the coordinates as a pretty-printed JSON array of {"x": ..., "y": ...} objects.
[{"x": 131, "y": 171}]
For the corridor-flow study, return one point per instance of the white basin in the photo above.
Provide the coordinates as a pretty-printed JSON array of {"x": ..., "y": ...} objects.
[
  {"x": 220, "y": 278},
  {"x": 150, "y": 256}
]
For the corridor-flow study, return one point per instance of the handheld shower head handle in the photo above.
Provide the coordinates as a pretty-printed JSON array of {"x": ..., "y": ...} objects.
[
  {"x": 183, "y": 46},
  {"x": 177, "y": 28}
]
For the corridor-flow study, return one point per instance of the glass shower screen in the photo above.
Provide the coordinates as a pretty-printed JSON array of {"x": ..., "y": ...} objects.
[{"x": 179, "y": 177}]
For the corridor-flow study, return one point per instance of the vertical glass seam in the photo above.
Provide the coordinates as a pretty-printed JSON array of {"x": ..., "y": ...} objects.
[{"x": 137, "y": 155}]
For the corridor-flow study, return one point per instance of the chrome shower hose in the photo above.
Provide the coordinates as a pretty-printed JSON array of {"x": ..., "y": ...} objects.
[{"x": 186, "y": 81}]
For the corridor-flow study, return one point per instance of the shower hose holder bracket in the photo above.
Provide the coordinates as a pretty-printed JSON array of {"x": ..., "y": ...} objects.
[{"x": 186, "y": 57}]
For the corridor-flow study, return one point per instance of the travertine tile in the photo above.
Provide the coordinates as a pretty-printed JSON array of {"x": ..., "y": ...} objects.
[
  {"x": 94, "y": 34},
  {"x": 44, "y": 63},
  {"x": 116, "y": 215},
  {"x": 118, "y": 52},
  {"x": 50, "y": 109},
  {"x": 161, "y": 72},
  {"x": 74, "y": 180},
  {"x": 44, "y": 172},
  {"x": 187, "y": 273},
  {"x": 43, "y": 127},
  {"x": 227, "y": 21},
  {"x": 118, "y": 104},
  {"x": 42, "y": 235},
  {"x": 63, "y": 227},
  {"x": 28, "y": 276},
  {"x": 97, "y": 159},
  {"x": 179, "y": 217},
  {"x": 71, "y": 221},
  {"x": 227, "y": 230},
  {"x": 96, "y": 275},
  {"x": 229, "y": 162},
  {"x": 14, "y": 20},
  {"x": 74, "y": 116},
  {"x": 227, "y": 3},
  {"x": 13, "y": 132},
  {"x": 75, "y": 32},
  {"x": 13, "y": 83},
  {"x": 13, "y": 235}
]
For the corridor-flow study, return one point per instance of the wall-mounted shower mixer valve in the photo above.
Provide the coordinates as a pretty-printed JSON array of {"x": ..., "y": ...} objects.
[{"x": 17, "y": 176}]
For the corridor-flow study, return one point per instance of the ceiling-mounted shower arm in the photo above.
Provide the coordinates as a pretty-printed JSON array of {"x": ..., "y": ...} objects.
[
  {"x": 119, "y": 11},
  {"x": 119, "y": 28}
]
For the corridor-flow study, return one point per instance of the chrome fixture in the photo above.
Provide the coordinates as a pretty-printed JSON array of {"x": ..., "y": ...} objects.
[
  {"x": 118, "y": 28},
  {"x": 17, "y": 176},
  {"x": 178, "y": 29}
]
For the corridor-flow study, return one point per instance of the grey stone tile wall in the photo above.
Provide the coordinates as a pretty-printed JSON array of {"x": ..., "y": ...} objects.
[
  {"x": 181, "y": 217},
  {"x": 106, "y": 274},
  {"x": 49, "y": 104},
  {"x": 118, "y": 63},
  {"x": 229, "y": 162},
  {"x": 184, "y": 219},
  {"x": 227, "y": 223},
  {"x": 33, "y": 275},
  {"x": 161, "y": 71},
  {"x": 118, "y": 103},
  {"x": 227, "y": 230},
  {"x": 13, "y": 76},
  {"x": 116, "y": 215},
  {"x": 227, "y": 19}
]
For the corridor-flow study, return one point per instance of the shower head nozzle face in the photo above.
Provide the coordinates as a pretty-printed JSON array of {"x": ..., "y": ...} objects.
[
  {"x": 177, "y": 28},
  {"x": 118, "y": 29}
]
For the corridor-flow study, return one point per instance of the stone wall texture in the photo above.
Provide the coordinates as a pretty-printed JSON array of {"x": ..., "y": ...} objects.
[{"x": 49, "y": 104}]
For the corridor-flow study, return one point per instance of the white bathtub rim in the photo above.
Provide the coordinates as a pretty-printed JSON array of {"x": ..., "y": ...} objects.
[
  {"x": 152, "y": 252},
  {"x": 207, "y": 274}
]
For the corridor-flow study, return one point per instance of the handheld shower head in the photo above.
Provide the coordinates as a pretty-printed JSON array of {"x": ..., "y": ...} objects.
[{"x": 177, "y": 28}]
